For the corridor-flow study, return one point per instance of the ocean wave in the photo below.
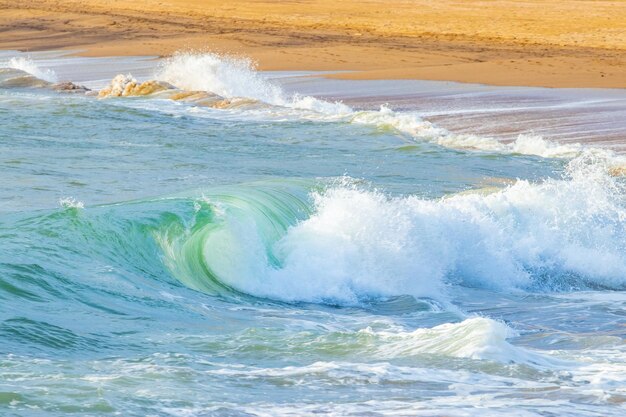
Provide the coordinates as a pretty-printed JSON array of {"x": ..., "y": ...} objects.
[
  {"x": 476, "y": 338},
  {"x": 345, "y": 244},
  {"x": 232, "y": 84},
  {"x": 473, "y": 338}
]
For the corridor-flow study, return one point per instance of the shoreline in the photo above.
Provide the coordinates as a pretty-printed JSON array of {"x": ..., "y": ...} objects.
[
  {"x": 563, "y": 115},
  {"x": 538, "y": 44}
]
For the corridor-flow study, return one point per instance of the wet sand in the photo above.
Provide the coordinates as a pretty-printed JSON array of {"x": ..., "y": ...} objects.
[{"x": 531, "y": 43}]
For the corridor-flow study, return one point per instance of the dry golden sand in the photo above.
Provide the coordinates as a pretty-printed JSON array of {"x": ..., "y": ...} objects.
[{"x": 533, "y": 42}]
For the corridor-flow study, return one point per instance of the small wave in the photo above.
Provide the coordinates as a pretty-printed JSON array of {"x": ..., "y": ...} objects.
[
  {"x": 235, "y": 84},
  {"x": 29, "y": 66},
  {"x": 17, "y": 78}
]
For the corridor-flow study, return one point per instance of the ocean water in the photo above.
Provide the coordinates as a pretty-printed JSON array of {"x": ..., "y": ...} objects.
[{"x": 237, "y": 243}]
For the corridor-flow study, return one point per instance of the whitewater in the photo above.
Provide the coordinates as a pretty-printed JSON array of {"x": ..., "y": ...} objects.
[{"x": 192, "y": 237}]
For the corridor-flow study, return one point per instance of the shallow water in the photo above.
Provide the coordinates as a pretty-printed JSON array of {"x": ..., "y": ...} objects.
[{"x": 298, "y": 257}]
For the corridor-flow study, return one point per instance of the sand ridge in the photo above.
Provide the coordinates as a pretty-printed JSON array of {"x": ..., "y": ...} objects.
[{"x": 535, "y": 43}]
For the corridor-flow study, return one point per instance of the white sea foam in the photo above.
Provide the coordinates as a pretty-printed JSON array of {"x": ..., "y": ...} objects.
[
  {"x": 418, "y": 128},
  {"x": 556, "y": 234},
  {"x": 71, "y": 202},
  {"x": 29, "y": 66}
]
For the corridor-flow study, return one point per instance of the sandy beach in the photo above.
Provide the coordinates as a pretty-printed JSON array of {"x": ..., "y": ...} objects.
[{"x": 531, "y": 43}]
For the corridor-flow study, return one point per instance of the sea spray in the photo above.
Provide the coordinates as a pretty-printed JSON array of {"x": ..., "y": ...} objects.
[
  {"x": 28, "y": 65},
  {"x": 224, "y": 75}
]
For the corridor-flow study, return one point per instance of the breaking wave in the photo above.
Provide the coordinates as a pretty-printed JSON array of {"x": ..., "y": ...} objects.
[{"x": 343, "y": 244}]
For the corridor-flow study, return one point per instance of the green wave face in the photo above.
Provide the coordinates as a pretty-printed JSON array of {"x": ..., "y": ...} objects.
[{"x": 232, "y": 234}]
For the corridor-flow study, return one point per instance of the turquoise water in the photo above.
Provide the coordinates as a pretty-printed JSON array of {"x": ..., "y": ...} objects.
[{"x": 292, "y": 256}]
